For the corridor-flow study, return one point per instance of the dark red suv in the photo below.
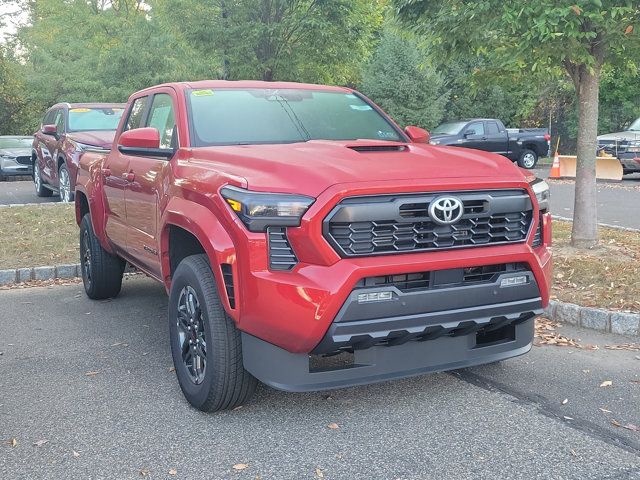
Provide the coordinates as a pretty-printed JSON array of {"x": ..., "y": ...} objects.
[{"x": 67, "y": 130}]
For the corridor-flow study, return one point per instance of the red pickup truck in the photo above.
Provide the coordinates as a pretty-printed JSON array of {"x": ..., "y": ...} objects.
[{"x": 307, "y": 241}]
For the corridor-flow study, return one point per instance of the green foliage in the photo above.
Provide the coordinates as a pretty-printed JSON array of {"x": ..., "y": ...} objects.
[
  {"x": 301, "y": 40},
  {"x": 413, "y": 94}
]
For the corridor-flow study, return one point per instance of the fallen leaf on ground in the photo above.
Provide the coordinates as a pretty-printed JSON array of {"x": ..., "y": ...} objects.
[
  {"x": 319, "y": 473},
  {"x": 76, "y": 454},
  {"x": 333, "y": 426},
  {"x": 39, "y": 443},
  {"x": 632, "y": 427},
  {"x": 573, "y": 452},
  {"x": 565, "y": 401},
  {"x": 173, "y": 471},
  {"x": 172, "y": 369},
  {"x": 606, "y": 383},
  {"x": 145, "y": 472},
  {"x": 238, "y": 407},
  {"x": 616, "y": 423},
  {"x": 604, "y": 410},
  {"x": 13, "y": 442},
  {"x": 240, "y": 466},
  {"x": 567, "y": 418}
]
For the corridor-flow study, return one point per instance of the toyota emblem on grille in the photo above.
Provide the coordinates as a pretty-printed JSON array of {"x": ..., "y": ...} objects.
[{"x": 446, "y": 210}]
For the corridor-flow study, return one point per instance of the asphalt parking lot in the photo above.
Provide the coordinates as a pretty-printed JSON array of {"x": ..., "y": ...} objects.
[{"x": 94, "y": 380}]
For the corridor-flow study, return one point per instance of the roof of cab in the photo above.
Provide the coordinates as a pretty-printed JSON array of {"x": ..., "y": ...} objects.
[{"x": 240, "y": 84}]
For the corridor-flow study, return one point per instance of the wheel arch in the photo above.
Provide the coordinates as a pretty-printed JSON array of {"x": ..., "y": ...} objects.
[{"x": 189, "y": 228}]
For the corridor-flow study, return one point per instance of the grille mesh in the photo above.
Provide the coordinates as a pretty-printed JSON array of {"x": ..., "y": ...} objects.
[{"x": 489, "y": 218}]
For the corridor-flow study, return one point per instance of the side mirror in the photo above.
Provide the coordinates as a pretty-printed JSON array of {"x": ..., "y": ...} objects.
[
  {"x": 469, "y": 132},
  {"x": 50, "y": 130},
  {"x": 143, "y": 141},
  {"x": 417, "y": 134}
]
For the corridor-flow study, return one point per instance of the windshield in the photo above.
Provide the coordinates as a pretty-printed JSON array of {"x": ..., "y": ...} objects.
[
  {"x": 16, "y": 142},
  {"x": 635, "y": 126},
  {"x": 452, "y": 128},
  {"x": 256, "y": 116},
  {"x": 83, "y": 119}
]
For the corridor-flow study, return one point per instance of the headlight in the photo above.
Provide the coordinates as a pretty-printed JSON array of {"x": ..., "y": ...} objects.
[
  {"x": 541, "y": 189},
  {"x": 79, "y": 147},
  {"x": 259, "y": 210},
  {"x": 434, "y": 142}
]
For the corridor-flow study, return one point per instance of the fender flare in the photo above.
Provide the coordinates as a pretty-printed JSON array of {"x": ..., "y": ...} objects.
[
  {"x": 203, "y": 224},
  {"x": 92, "y": 190}
]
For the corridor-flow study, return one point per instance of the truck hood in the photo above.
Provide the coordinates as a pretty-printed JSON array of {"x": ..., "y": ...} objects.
[
  {"x": 621, "y": 136},
  {"x": 311, "y": 167},
  {"x": 15, "y": 152},
  {"x": 445, "y": 139},
  {"x": 96, "y": 138}
]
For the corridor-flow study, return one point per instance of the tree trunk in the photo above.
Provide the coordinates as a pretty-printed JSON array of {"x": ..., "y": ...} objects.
[{"x": 585, "y": 219}]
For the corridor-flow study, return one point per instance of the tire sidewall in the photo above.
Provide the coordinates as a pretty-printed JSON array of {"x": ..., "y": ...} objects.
[
  {"x": 185, "y": 275},
  {"x": 525, "y": 153}
]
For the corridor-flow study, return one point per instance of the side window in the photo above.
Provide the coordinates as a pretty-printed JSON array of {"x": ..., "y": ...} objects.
[
  {"x": 136, "y": 113},
  {"x": 161, "y": 117},
  {"x": 59, "y": 120},
  {"x": 477, "y": 127},
  {"x": 492, "y": 128},
  {"x": 49, "y": 117}
]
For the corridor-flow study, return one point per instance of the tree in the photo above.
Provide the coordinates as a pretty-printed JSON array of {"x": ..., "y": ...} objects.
[
  {"x": 411, "y": 93},
  {"x": 300, "y": 40},
  {"x": 577, "y": 36}
]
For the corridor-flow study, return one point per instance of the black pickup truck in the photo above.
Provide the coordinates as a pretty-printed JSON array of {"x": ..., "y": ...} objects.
[{"x": 522, "y": 145}]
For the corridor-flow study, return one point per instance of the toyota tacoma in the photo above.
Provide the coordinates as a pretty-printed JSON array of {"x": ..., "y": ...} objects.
[{"x": 308, "y": 242}]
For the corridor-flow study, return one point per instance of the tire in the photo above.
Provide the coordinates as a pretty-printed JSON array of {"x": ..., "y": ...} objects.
[
  {"x": 64, "y": 184},
  {"x": 205, "y": 330},
  {"x": 101, "y": 271},
  {"x": 528, "y": 159},
  {"x": 41, "y": 190}
]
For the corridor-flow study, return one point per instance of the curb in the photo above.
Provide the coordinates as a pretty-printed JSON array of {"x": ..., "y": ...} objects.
[
  {"x": 44, "y": 204},
  {"x": 620, "y": 323},
  {"x": 608, "y": 225},
  {"x": 20, "y": 275}
]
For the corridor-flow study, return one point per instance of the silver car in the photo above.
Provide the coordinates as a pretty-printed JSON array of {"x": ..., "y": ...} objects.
[{"x": 15, "y": 156}]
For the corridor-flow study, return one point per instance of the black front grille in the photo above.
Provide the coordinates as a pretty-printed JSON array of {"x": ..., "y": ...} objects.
[
  {"x": 281, "y": 255},
  {"x": 613, "y": 147},
  {"x": 394, "y": 224},
  {"x": 25, "y": 160},
  {"x": 408, "y": 282}
]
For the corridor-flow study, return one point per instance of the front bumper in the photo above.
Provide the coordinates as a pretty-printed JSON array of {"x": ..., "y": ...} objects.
[
  {"x": 295, "y": 372},
  {"x": 9, "y": 168}
]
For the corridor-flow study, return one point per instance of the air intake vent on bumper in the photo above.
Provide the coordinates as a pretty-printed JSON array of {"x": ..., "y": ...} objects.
[
  {"x": 281, "y": 255},
  {"x": 227, "y": 275}
]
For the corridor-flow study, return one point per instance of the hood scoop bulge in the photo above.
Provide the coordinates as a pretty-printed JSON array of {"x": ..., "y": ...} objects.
[{"x": 378, "y": 148}]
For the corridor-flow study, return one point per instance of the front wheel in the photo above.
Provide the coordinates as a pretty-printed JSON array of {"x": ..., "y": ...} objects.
[
  {"x": 64, "y": 179},
  {"x": 41, "y": 190},
  {"x": 528, "y": 159},
  {"x": 101, "y": 271},
  {"x": 205, "y": 343}
]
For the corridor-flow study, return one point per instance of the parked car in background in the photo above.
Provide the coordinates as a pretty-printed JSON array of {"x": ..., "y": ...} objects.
[
  {"x": 15, "y": 156},
  {"x": 625, "y": 146},
  {"x": 307, "y": 241},
  {"x": 67, "y": 130},
  {"x": 522, "y": 145}
]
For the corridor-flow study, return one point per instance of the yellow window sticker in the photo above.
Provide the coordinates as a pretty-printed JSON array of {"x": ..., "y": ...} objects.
[
  {"x": 80, "y": 110},
  {"x": 202, "y": 93}
]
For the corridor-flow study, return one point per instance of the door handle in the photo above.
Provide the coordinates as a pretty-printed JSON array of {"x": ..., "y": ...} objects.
[
  {"x": 106, "y": 172},
  {"x": 129, "y": 177}
]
